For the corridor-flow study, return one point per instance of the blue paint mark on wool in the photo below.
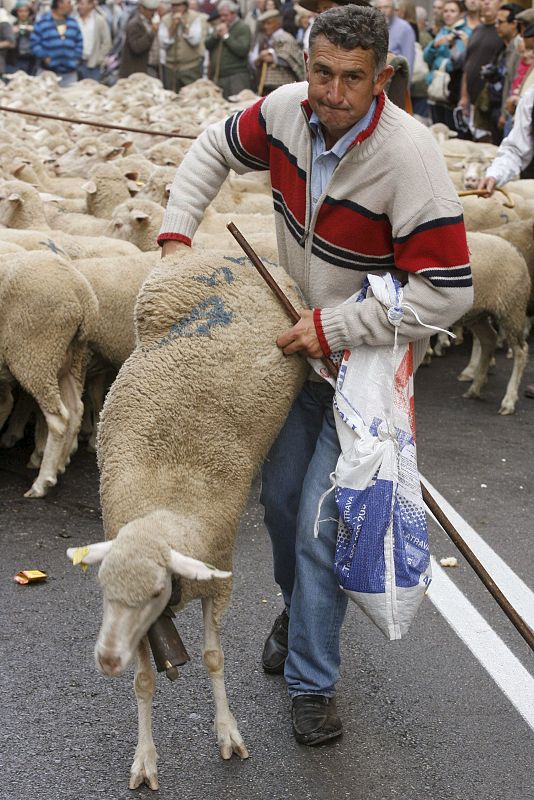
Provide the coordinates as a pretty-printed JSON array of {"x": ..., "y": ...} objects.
[
  {"x": 201, "y": 319},
  {"x": 213, "y": 279},
  {"x": 240, "y": 260},
  {"x": 53, "y": 247}
]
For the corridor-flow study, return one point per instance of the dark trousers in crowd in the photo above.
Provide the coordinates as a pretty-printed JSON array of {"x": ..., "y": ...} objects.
[{"x": 94, "y": 73}]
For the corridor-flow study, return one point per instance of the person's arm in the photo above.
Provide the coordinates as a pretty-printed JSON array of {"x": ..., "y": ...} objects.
[
  {"x": 239, "y": 143},
  {"x": 408, "y": 46},
  {"x": 78, "y": 44},
  {"x": 139, "y": 38},
  {"x": 105, "y": 40},
  {"x": 36, "y": 41},
  {"x": 238, "y": 41},
  {"x": 515, "y": 151}
]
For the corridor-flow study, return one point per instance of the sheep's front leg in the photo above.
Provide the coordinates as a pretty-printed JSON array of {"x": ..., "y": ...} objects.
[
  {"x": 228, "y": 736},
  {"x": 144, "y": 765}
]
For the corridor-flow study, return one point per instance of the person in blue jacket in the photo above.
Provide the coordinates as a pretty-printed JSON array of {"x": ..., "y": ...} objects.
[
  {"x": 57, "y": 42},
  {"x": 445, "y": 52}
]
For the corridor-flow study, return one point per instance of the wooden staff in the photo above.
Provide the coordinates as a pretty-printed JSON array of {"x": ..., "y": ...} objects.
[
  {"x": 263, "y": 75},
  {"x": 483, "y": 193},
  {"x": 95, "y": 124},
  {"x": 517, "y": 621}
]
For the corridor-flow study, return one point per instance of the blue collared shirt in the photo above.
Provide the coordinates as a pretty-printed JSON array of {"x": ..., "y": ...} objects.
[{"x": 325, "y": 161}]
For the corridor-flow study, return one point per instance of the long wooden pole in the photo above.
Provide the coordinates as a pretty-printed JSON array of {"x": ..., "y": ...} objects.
[
  {"x": 517, "y": 621},
  {"x": 95, "y": 124}
]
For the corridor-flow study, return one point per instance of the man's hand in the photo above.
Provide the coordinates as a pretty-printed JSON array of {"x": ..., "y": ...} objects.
[
  {"x": 171, "y": 246},
  {"x": 221, "y": 29},
  {"x": 301, "y": 338},
  {"x": 487, "y": 185},
  {"x": 266, "y": 56}
]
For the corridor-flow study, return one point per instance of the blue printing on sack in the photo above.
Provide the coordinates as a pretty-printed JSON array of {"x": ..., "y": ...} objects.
[{"x": 364, "y": 517}]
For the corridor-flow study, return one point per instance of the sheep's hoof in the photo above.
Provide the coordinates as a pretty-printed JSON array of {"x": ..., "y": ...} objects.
[
  {"x": 471, "y": 394},
  {"x": 230, "y": 741},
  {"x": 506, "y": 409},
  {"x": 465, "y": 376},
  {"x": 144, "y": 770},
  {"x": 39, "y": 489}
]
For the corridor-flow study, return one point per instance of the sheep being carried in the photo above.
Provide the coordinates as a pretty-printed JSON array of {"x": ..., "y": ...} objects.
[{"x": 184, "y": 428}]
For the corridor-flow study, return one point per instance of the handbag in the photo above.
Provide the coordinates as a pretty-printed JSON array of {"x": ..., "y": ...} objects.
[{"x": 438, "y": 89}]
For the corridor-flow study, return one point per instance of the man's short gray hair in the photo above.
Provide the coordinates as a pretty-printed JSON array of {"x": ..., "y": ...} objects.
[
  {"x": 353, "y": 26},
  {"x": 229, "y": 4}
]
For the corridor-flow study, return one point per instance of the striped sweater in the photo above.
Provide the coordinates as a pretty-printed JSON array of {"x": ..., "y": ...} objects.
[
  {"x": 65, "y": 52},
  {"x": 389, "y": 206}
]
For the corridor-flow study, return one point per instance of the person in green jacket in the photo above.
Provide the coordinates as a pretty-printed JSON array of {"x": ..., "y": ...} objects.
[{"x": 229, "y": 45}]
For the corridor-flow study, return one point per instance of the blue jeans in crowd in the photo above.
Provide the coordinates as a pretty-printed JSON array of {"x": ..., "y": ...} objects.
[
  {"x": 88, "y": 72},
  {"x": 295, "y": 475}
]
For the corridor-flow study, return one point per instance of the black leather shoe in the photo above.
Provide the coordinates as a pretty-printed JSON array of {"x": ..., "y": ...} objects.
[
  {"x": 274, "y": 653},
  {"x": 315, "y": 719}
]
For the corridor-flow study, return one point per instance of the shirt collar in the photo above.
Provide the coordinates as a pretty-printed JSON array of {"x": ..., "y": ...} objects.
[{"x": 343, "y": 144}]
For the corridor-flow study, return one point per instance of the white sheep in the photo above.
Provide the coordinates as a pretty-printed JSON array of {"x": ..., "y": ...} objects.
[
  {"x": 501, "y": 285},
  {"x": 106, "y": 188},
  {"x": 185, "y": 427},
  {"x": 48, "y": 312},
  {"x": 138, "y": 221}
]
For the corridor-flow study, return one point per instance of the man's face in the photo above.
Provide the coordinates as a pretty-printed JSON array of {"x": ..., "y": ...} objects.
[
  {"x": 341, "y": 84},
  {"x": 84, "y": 6},
  {"x": 226, "y": 16},
  {"x": 472, "y": 5},
  {"x": 271, "y": 25},
  {"x": 64, "y": 7},
  {"x": 437, "y": 10},
  {"x": 489, "y": 9},
  {"x": 386, "y": 7},
  {"x": 506, "y": 30}
]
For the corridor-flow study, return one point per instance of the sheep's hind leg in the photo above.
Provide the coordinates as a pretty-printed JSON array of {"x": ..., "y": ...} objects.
[
  {"x": 487, "y": 337},
  {"x": 520, "y": 353},
  {"x": 144, "y": 768},
  {"x": 55, "y": 442},
  {"x": 468, "y": 373},
  {"x": 228, "y": 737}
]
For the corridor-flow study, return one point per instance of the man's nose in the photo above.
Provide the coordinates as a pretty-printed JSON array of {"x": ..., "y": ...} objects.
[{"x": 336, "y": 93}]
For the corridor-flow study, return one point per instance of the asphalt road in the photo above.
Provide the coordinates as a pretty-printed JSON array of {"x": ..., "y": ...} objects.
[{"x": 422, "y": 717}]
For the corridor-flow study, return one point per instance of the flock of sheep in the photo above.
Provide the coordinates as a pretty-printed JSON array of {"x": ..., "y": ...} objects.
[{"x": 84, "y": 294}]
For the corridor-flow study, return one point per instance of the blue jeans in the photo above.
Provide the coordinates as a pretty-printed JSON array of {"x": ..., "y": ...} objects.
[
  {"x": 88, "y": 72},
  {"x": 295, "y": 475}
]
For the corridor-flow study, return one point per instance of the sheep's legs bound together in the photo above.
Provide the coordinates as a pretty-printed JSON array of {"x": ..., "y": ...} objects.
[
  {"x": 144, "y": 765},
  {"x": 228, "y": 736}
]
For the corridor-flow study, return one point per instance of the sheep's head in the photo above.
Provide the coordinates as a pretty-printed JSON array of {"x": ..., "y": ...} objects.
[{"x": 136, "y": 571}]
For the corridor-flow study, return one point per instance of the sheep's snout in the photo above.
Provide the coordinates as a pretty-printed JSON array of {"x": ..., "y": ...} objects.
[{"x": 108, "y": 663}]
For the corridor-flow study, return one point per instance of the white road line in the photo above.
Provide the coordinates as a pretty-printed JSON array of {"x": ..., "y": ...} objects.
[
  {"x": 500, "y": 663},
  {"x": 517, "y": 592}
]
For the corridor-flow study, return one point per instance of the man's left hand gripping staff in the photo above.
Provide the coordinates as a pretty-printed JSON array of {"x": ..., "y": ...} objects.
[{"x": 302, "y": 337}]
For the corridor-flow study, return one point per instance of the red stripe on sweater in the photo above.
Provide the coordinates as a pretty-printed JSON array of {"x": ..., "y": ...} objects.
[
  {"x": 286, "y": 179},
  {"x": 439, "y": 247},
  {"x": 319, "y": 331},
  {"x": 347, "y": 228},
  {"x": 173, "y": 237},
  {"x": 252, "y": 133}
]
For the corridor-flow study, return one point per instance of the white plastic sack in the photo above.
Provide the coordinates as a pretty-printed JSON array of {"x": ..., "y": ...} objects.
[{"x": 382, "y": 556}]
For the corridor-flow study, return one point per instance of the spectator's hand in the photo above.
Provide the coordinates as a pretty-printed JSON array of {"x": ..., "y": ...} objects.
[
  {"x": 221, "y": 29},
  {"x": 301, "y": 338},
  {"x": 501, "y": 122},
  {"x": 487, "y": 185},
  {"x": 447, "y": 39},
  {"x": 155, "y": 26},
  {"x": 266, "y": 56},
  {"x": 511, "y": 103},
  {"x": 463, "y": 103},
  {"x": 46, "y": 61}
]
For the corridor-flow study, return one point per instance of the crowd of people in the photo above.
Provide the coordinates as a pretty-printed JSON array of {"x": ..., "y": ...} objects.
[{"x": 466, "y": 64}]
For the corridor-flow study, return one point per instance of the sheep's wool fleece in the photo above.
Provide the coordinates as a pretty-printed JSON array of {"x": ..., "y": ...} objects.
[{"x": 195, "y": 408}]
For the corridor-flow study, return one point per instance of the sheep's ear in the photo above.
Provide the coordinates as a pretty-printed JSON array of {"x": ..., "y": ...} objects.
[
  {"x": 459, "y": 165},
  {"x": 134, "y": 186},
  {"x": 168, "y": 189},
  {"x": 15, "y": 198},
  {"x": 112, "y": 152},
  {"x": 132, "y": 176},
  {"x": 18, "y": 167},
  {"x": 91, "y": 554},
  {"x": 89, "y": 187},
  {"x": 193, "y": 569},
  {"x": 139, "y": 215}
]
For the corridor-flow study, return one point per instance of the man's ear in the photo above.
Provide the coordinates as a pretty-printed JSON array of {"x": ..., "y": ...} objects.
[
  {"x": 383, "y": 77},
  {"x": 307, "y": 64},
  {"x": 91, "y": 554}
]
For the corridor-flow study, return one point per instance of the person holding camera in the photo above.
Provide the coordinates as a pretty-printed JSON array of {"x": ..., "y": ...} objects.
[
  {"x": 443, "y": 56},
  {"x": 21, "y": 56}
]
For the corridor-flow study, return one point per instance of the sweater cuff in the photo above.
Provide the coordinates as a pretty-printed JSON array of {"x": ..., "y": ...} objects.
[
  {"x": 178, "y": 223},
  {"x": 320, "y": 332},
  {"x": 173, "y": 237},
  {"x": 333, "y": 329}
]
